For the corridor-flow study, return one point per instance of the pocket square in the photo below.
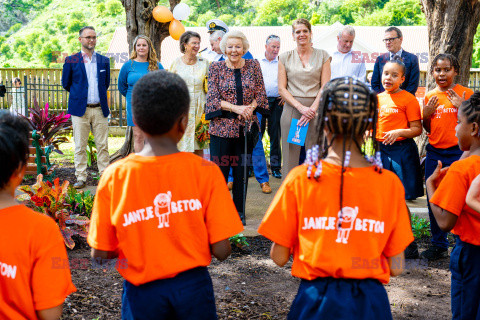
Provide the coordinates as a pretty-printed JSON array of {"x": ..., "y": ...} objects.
[{"x": 102, "y": 70}]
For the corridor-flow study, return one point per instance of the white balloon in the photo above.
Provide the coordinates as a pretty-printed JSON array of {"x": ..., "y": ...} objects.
[{"x": 181, "y": 11}]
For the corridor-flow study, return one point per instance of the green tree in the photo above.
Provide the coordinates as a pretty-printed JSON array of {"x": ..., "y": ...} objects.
[
  {"x": 281, "y": 12},
  {"x": 75, "y": 26},
  {"x": 113, "y": 7},
  {"x": 395, "y": 13},
  {"x": 6, "y": 50}
]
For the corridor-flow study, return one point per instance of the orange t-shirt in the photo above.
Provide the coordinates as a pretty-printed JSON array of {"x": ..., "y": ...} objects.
[
  {"x": 376, "y": 225},
  {"x": 396, "y": 111},
  {"x": 444, "y": 120},
  {"x": 451, "y": 194},
  {"x": 161, "y": 214},
  {"x": 34, "y": 269}
]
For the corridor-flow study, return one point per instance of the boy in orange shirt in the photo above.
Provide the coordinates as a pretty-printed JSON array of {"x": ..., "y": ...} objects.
[
  {"x": 30, "y": 286},
  {"x": 163, "y": 212},
  {"x": 344, "y": 220},
  {"x": 447, "y": 189},
  {"x": 439, "y": 120}
]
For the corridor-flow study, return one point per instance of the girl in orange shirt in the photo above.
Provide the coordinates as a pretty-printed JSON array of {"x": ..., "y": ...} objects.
[
  {"x": 344, "y": 220},
  {"x": 447, "y": 189},
  {"x": 35, "y": 277},
  {"x": 439, "y": 120},
  {"x": 399, "y": 121}
]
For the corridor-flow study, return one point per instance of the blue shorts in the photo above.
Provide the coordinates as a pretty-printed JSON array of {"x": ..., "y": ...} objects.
[
  {"x": 187, "y": 296},
  {"x": 402, "y": 158},
  {"x": 465, "y": 292},
  {"x": 330, "y": 298}
]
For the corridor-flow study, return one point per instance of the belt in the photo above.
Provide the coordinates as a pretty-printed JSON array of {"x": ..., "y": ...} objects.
[
  {"x": 272, "y": 99},
  {"x": 94, "y": 105}
]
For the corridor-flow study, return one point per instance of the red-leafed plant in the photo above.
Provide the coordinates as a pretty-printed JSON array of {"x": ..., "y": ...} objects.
[
  {"x": 49, "y": 199},
  {"x": 50, "y": 126}
]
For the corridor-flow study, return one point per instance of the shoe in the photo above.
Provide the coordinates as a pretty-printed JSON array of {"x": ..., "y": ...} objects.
[
  {"x": 250, "y": 172},
  {"x": 412, "y": 251},
  {"x": 230, "y": 185},
  {"x": 266, "y": 187},
  {"x": 79, "y": 184},
  {"x": 434, "y": 253},
  {"x": 276, "y": 173}
]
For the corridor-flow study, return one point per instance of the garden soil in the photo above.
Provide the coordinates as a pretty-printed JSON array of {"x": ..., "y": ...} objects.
[{"x": 248, "y": 285}]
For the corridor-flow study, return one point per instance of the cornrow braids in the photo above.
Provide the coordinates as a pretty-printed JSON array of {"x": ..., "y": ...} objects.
[
  {"x": 399, "y": 61},
  {"x": 446, "y": 56},
  {"x": 348, "y": 108},
  {"x": 471, "y": 108}
]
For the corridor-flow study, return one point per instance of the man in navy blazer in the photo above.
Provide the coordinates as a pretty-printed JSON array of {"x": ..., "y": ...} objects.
[
  {"x": 86, "y": 75},
  {"x": 393, "y": 42}
]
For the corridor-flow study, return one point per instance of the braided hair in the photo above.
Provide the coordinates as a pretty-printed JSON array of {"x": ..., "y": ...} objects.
[
  {"x": 446, "y": 56},
  {"x": 471, "y": 108},
  {"x": 347, "y": 108}
]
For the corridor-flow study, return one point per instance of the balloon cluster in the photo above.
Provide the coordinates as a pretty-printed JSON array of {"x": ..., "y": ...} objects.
[{"x": 180, "y": 12}]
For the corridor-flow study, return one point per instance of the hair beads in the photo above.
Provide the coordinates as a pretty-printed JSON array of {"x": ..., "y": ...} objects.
[
  {"x": 346, "y": 161},
  {"x": 378, "y": 162},
  {"x": 309, "y": 162}
]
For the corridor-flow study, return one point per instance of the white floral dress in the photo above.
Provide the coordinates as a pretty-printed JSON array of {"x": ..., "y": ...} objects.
[{"x": 194, "y": 75}]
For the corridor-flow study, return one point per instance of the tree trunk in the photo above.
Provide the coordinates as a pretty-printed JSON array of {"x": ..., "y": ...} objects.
[
  {"x": 451, "y": 28},
  {"x": 140, "y": 21}
]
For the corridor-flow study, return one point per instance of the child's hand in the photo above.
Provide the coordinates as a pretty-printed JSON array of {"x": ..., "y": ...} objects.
[
  {"x": 437, "y": 176},
  {"x": 391, "y": 136},
  {"x": 454, "y": 98},
  {"x": 473, "y": 195},
  {"x": 430, "y": 107}
]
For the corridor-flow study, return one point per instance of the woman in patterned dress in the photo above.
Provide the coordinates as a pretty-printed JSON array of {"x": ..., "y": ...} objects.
[
  {"x": 235, "y": 91},
  {"x": 194, "y": 71}
]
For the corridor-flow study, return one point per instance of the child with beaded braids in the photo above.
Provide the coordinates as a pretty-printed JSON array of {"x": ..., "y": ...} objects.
[
  {"x": 447, "y": 189},
  {"x": 343, "y": 218},
  {"x": 35, "y": 277}
]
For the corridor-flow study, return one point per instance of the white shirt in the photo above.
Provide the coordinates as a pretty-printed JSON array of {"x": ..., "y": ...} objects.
[
  {"x": 399, "y": 53},
  {"x": 91, "y": 69},
  {"x": 210, "y": 55},
  {"x": 348, "y": 65},
  {"x": 270, "y": 76}
]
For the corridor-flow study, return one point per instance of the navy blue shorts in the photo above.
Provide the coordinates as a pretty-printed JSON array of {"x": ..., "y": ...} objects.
[
  {"x": 402, "y": 158},
  {"x": 329, "y": 298},
  {"x": 465, "y": 268},
  {"x": 187, "y": 296}
]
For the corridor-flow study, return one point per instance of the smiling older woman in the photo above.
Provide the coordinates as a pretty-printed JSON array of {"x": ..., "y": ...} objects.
[{"x": 235, "y": 91}]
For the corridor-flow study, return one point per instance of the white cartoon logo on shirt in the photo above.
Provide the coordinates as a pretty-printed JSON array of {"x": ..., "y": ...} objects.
[
  {"x": 162, "y": 208},
  {"x": 349, "y": 216}
]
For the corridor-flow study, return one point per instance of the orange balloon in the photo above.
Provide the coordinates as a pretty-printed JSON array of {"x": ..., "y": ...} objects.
[
  {"x": 176, "y": 29},
  {"x": 162, "y": 14}
]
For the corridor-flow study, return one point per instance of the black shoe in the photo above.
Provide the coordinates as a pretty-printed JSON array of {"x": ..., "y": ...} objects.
[
  {"x": 250, "y": 172},
  {"x": 434, "y": 253},
  {"x": 412, "y": 251},
  {"x": 242, "y": 217},
  {"x": 276, "y": 173}
]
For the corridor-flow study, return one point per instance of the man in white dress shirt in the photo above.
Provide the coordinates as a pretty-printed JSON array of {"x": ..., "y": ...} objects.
[
  {"x": 344, "y": 62},
  {"x": 216, "y": 29}
]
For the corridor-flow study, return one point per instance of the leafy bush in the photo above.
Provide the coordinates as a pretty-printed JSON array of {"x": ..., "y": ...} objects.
[
  {"x": 81, "y": 202},
  {"x": 5, "y": 50},
  {"x": 14, "y": 28},
  {"x": 101, "y": 9},
  {"x": 51, "y": 127},
  {"x": 49, "y": 199},
  {"x": 74, "y": 26},
  {"x": 91, "y": 150},
  {"x": 18, "y": 43},
  {"x": 420, "y": 226},
  {"x": 113, "y": 7},
  {"x": 78, "y": 15},
  {"x": 239, "y": 241}
]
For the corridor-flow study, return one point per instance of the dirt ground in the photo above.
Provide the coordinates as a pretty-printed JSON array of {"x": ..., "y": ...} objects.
[{"x": 248, "y": 285}]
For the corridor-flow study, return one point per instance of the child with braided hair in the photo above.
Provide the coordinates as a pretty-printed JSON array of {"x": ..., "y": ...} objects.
[
  {"x": 343, "y": 218},
  {"x": 447, "y": 189}
]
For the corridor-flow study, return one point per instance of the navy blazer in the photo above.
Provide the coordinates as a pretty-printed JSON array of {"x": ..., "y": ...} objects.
[
  {"x": 74, "y": 80},
  {"x": 412, "y": 72}
]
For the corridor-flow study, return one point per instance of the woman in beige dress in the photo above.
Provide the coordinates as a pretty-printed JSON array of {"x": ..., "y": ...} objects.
[
  {"x": 302, "y": 72},
  {"x": 194, "y": 71}
]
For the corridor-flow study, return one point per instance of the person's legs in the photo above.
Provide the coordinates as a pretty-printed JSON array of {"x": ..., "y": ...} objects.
[
  {"x": 81, "y": 130},
  {"x": 290, "y": 152},
  {"x": 274, "y": 133},
  {"x": 258, "y": 159},
  {"x": 240, "y": 182},
  {"x": 220, "y": 153},
  {"x": 100, "y": 133},
  {"x": 138, "y": 139}
]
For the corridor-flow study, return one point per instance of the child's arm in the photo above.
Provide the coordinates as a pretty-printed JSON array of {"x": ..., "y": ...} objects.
[
  {"x": 279, "y": 254},
  {"x": 396, "y": 264},
  {"x": 50, "y": 314},
  {"x": 473, "y": 195},
  {"x": 445, "y": 219},
  {"x": 412, "y": 132},
  {"x": 102, "y": 257},
  {"x": 221, "y": 249},
  {"x": 428, "y": 111}
]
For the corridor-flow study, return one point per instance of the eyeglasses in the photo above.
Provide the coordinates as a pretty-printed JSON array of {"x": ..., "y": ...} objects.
[
  {"x": 90, "y": 38},
  {"x": 390, "y": 39}
]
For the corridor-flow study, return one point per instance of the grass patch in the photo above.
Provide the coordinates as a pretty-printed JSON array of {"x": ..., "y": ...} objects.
[{"x": 68, "y": 149}]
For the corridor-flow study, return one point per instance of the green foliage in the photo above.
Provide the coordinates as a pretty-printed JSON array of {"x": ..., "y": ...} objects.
[
  {"x": 75, "y": 25},
  {"x": 420, "y": 226},
  {"x": 280, "y": 12},
  {"x": 101, "y": 8},
  {"x": 239, "y": 241},
  {"x": 81, "y": 202},
  {"x": 77, "y": 15},
  {"x": 15, "y": 28},
  {"x": 476, "y": 49},
  {"x": 5, "y": 50},
  {"x": 18, "y": 43},
  {"x": 91, "y": 150},
  {"x": 114, "y": 7},
  {"x": 396, "y": 13}
]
